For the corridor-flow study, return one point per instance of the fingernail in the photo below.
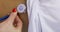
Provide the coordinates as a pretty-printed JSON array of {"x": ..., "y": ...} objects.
[{"x": 14, "y": 10}]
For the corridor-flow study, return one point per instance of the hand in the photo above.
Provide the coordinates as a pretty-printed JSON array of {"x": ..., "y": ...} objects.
[{"x": 9, "y": 26}]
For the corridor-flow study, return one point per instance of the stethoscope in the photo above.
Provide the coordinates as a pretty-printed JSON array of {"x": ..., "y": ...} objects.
[
  {"x": 3, "y": 18},
  {"x": 20, "y": 9}
]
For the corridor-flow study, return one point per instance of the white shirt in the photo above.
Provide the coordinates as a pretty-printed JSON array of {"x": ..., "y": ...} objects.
[{"x": 44, "y": 15}]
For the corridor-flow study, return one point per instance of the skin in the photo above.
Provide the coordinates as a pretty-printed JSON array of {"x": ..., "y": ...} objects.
[
  {"x": 7, "y": 25},
  {"x": 6, "y": 6}
]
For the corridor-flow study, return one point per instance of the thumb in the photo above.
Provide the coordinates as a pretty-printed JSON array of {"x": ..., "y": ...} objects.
[{"x": 12, "y": 16}]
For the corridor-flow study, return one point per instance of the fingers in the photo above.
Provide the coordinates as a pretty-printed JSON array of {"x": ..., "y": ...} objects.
[
  {"x": 19, "y": 24},
  {"x": 12, "y": 16}
]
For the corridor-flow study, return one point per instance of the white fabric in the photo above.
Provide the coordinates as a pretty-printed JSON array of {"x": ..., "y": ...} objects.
[{"x": 44, "y": 15}]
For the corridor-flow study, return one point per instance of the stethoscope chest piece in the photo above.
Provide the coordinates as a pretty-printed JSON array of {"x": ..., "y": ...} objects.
[{"x": 21, "y": 8}]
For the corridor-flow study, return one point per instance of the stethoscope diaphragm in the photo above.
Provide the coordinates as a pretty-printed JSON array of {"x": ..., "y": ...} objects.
[{"x": 21, "y": 8}]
